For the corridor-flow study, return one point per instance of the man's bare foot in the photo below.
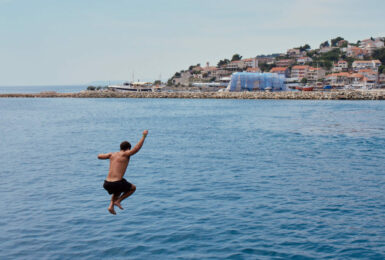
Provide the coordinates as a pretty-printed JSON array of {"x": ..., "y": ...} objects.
[
  {"x": 112, "y": 210},
  {"x": 117, "y": 203}
]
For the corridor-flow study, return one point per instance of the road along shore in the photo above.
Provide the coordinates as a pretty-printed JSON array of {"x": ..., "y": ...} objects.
[{"x": 310, "y": 95}]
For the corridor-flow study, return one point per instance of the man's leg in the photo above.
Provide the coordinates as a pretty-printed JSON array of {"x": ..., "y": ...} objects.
[
  {"x": 124, "y": 196},
  {"x": 111, "y": 207}
]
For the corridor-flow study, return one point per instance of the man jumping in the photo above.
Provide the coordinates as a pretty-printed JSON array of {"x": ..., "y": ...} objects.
[{"x": 115, "y": 184}]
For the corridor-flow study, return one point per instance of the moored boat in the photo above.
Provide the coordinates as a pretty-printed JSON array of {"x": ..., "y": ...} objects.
[
  {"x": 133, "y": 86},
  {"x": 307, "y": 88}
]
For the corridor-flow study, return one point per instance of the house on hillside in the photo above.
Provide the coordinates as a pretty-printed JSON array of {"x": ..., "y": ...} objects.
[
  {"x": 338, "y": 79},
  {"x": 342, "y": 43},
  {"x": 341, "y": 65},
  {"x": 303, "y": 60},
  {"x": 284, "y": 62},
  {"x": 182, "y": 78},
  {"x": 250, "y": 63},
  {"x": 242, "y": 64},
  {"x": 370, "y": 75},
  {"x": 253, "y": 70},
  {"x": 366, "y": 64},
  {"x": 234, "y": 65},
  {"x": 281, "y": 71},
  {"x": 356, "y": 52},
  {"x": 209, "y": 71},
  {"x": 295, "y": 53},
  {"x": 267, "y": 60},
  {"x": 357, "y": 80},
  {"x": 315, "y": 74},
  {"x": 374, "y": 43},
  {"x": 299, "y": 71},
  {"x": 326, "y": 49}
]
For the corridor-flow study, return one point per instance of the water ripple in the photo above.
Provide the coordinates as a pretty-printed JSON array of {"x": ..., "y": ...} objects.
[{"x": 216, "y": 179}]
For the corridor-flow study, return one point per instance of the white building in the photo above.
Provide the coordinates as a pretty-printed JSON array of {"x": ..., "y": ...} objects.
[
  {"x": 315, "y": 74},
  {"x": 341, "y": 65},
  {"x": 304, "y": 60},
  {"x": 366, "y": 64}
]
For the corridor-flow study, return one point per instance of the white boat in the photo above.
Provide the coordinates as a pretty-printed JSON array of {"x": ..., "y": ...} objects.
[{"x": 133, "y": 86}]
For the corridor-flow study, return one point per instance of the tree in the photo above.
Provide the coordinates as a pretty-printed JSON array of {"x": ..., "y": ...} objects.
[
  {"x": 266, "y": 67},
  {"x": 333, "y": 55},
  {"x": 381, "y": 69},
  {"x": 350, "y": 61},
  {"x": 304, "y": 80},
  {"x": 91, "y": 88},
  {"x": 336, "y": 40},
  {"x": 305, "y": 47},
  {"x": 157, "y": 82},
  {"x": 380, "y": 55},
  {"x": 328, "y": 65},
  {"x": 312, "y": 53},
  {"x": 223, "y": 62},
  {"x": 236, "y": 57},
  {"x": 324, "y": 44},
  {"x": 177, "y": 75}
]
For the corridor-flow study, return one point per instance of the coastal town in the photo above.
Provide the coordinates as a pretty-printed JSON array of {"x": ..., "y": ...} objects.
[{"x": 336, "y": 64}]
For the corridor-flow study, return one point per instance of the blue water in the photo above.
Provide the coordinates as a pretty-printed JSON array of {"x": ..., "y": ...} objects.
[
  {"x": 38, "y": 89},
  {"x": 216, "y": 179}
]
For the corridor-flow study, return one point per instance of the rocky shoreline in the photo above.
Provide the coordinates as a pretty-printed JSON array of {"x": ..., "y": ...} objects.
[{"x": 332, "y": 95}]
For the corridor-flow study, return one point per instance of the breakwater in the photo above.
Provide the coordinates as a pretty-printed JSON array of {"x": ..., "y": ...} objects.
[{"x": 332, "y": 95}]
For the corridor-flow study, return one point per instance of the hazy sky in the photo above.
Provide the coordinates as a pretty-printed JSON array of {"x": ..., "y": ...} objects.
[{"x": 56, "y": 42}]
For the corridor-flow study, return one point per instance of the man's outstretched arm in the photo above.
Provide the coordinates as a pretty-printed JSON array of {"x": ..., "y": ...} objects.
[
  {"x": 138, "y": 146},
  {"x": 104, "y": 156}
]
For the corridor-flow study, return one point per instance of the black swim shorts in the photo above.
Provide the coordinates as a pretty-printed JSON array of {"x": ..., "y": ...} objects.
[{"x": 117, "y": 187}]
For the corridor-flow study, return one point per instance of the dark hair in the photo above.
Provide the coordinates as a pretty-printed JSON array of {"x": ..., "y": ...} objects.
[{"x": 125, "y": 146}]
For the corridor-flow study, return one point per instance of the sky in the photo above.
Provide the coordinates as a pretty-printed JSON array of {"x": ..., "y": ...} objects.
[{"x": 71, "y": 42}]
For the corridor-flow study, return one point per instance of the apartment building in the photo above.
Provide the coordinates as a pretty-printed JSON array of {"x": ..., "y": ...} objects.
[
  {"x": 366, "y": 64},
  {"x": 341, "y": 65},
  {"x": 281, "y": 71},
  {"x": 315, "y": 74},
  {"x": 304, "y": 60},
  {"x": 284, "y": 62},
  {"x": 299, "y": 71},
  {"x": 356, "y": 52}
]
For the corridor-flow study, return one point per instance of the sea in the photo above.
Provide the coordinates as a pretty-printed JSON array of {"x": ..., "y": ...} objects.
[
  {"x": 216, "y": 179},
  {"x": 38, "y": 89}
]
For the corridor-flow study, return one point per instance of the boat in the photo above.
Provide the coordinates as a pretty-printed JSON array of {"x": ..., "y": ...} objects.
[
  {"x": 307, "y": 88},
  {"x": 133, "y": 86}
]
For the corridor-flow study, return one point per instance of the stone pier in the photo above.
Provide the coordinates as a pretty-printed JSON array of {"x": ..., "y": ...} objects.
[{"x": 311, "y": 95}]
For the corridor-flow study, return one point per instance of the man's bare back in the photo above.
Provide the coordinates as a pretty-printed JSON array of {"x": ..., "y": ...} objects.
[
  {"x": 115, "y": 184},
  {"x": 118, "y": 165}
]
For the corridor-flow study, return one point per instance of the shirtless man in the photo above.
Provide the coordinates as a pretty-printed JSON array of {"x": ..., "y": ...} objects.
[{"x": 115, "y": 184}]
